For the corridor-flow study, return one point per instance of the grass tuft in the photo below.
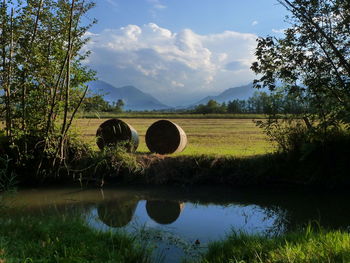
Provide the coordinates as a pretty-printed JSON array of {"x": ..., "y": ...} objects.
[
  {"x": 316, "y": 246},
  {"x": 52, "y": 238}
]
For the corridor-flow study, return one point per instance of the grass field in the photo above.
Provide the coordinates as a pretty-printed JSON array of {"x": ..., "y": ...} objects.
[{"x": 236, "y": 137}]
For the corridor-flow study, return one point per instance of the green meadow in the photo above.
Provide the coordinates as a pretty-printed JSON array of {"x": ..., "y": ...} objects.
[{"x": 211, "y": 136}]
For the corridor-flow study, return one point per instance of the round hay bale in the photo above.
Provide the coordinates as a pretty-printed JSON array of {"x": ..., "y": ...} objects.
[
  {"x": 117, "y": 213},
  {"x": 165, "y": 137},
  {"x": 164, "y": 212},
  {"x": 114, "y": 131}
]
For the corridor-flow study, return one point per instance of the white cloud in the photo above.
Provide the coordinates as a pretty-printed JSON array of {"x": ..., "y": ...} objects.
[
  {"x": 279, "y": 31},
  {"x": 175, "y": 67},
  {"x": 157, "y": 4},
  {"x": 113, "y": 3},
  {"x": 177, "y": 84},
  {"x": 254, "y": 23}
]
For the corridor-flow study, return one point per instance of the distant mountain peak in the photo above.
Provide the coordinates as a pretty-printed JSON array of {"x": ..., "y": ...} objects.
[
  {"x": 134, "y": 98},
  {"x": 241, "y": 93}
]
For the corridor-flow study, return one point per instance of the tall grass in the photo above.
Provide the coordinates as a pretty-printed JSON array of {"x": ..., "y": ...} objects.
[
  {"x": 7, "y": 177},
  {"x": 307, "y": 246},
  {"x": 54, "y": 238}
]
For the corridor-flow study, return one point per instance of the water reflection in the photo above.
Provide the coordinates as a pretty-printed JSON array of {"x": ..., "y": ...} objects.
[
  {"x": 116, "y": 207},
  {"x": 117, "y": 213},
  {"x": 210, "y": 212},
  {"x": 164, "y": 212}
]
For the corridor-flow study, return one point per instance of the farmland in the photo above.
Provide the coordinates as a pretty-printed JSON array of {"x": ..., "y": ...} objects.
[{"x": 234, "y": 137}]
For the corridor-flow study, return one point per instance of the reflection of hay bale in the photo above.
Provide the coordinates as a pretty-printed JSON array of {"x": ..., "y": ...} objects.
[
  {"x": 165, "y": 137},
  {"x": 115, "y": 131},
  {"x": 117, "y": 213},
  {"x": 164, "y": 212}
]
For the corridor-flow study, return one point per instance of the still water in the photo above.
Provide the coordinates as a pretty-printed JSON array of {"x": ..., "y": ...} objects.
[{"x": 179, "y": 221}]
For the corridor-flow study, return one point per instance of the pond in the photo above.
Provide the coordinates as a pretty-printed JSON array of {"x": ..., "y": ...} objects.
[{"x": 181, "y": 221}]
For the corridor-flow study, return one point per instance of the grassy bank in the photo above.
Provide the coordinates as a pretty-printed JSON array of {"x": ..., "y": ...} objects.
[
  {"x": 231, "y": 152},
  {"x": 54, "y": 238},
  {"x": 227, "y": 151},
  {"x": 298, "y": 247},
  {"x": 269, "y": 171}
]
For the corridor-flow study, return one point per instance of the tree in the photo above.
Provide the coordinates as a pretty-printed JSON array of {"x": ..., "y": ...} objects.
[
  {"x": 235, "y": 106},
  {"x": 95, "y": 103},
  {"x": 212, "y": 106},
  {"x": 41, "y": 72},
  {"x": 312, "y": 60},
  {"x": 119, "y": 106}
]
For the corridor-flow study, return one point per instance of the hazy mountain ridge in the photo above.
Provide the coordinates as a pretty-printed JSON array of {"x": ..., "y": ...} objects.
[
  {"x": 133, "y": 98},
  {"x": 241, "y": 93},
  {"x": 137, "y": 100}
]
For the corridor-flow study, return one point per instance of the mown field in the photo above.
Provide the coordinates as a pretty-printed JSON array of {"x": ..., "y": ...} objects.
[{"x": 237, "y": 137}]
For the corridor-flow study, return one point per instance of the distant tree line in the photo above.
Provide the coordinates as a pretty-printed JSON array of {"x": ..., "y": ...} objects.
[
  {"x": 259, "y": 103},
  {"x": 96, "y": 102}
]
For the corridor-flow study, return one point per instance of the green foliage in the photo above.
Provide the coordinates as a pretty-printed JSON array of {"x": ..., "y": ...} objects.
[
  {"x": 53, "y": 238},
  {"x": 118, "y": 159},
  {"x": 96, "y": 103},
  {"x": 309, "y": 245},
  {"x": 312, "y": 63},
  {"x": 42, "y": 75},
  {"x": 209, "y": 170},
  {"x": 260, "y": 103},
  {"x": 314, "y": 155},
  {"x": 111, "y": 164},
  {"x": 211, "y": 107},
  {"x": 311, "y": 60},
  {"x": 289, "y": 134},
  {"x": 118, "y": 106}
]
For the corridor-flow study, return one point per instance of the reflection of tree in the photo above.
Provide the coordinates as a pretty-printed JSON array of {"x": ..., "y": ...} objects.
[
  {"x": 292, "y": 211},
  {"x": 164, "y": 212},
  {"x": 117, "y": 213},
  {"x": 288, "y": 209}
]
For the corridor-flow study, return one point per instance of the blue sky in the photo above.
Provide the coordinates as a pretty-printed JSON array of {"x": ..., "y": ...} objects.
[{"x": 180, "y": 50}]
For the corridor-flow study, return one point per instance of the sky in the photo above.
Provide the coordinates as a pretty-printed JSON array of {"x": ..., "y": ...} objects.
[{"x": 180, "y": 51}]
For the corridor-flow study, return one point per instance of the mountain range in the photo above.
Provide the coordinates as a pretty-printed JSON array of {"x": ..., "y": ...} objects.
[
  {"x": 241, "y": 93},
  {"x": 137, "y": 100},
  {"x": 133, "y": 98}
]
